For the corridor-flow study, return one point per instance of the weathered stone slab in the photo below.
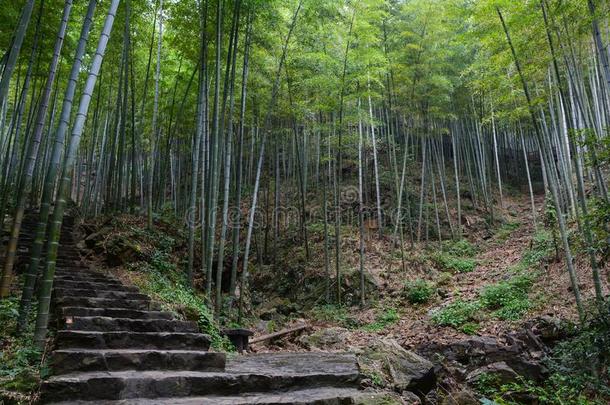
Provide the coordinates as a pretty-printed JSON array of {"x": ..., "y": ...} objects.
[
  {"x": 124, "y": 340},
  {"x": 83, "y": 360}
]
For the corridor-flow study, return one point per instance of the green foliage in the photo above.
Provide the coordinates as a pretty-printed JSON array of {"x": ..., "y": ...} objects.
[
  {"x": 461, "y": 248},
  {"x": 599, "y": 218},
  {"x": 160, "y": 261},
  {"x": 20, "y": 361},
  {"x": 419, "y": 291},
  {"x": 508, "y": 299},
  {"x": 457, "y": 315},
  {"x": 556, "y": 390},
  {"x": 579, "y": 371},
  {"x": 376, "y": 379},
  {"x": 387, "y": 317},
  {"x": 506, "y": 230},
  {"x": 456, "y": 264},
  {"x": 177, "y": 297},
  {"x": 584, "y": 360},
  {"x": 541, "y": 250},
  {"x": 487, "y": 383},
  {"x": 335, "y": 314},
  {"x": 456, "y": 256}
]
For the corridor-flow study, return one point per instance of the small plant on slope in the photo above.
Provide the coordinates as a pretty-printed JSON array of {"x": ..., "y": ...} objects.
[
  {"x": 459, "y": 314},
  {"x": 419, "y": 291}
]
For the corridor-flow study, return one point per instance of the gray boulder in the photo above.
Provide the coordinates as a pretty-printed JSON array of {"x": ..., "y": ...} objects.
[{"x": 407, "y": 371}]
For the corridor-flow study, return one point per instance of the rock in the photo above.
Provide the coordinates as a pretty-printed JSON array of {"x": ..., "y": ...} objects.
[
  {"x": 500, "y": 372},
  {"x": 460, "y": 398},
  {"x": 328, "y": 338},
  {"x": 270, "y": 315},
  {"x": 377, "y": 398},
  {"x": 550, "y": 329},
  {"x": 410, "y": 398},
  {"x": 431, "y": 398},
  {"x": 287, "y": 309},
  {"x": 478, "y": 351},
  {"x": 407, "y": 370},
  {"x": 274, "y": 309},
  {"x": 120, "y": 251}
]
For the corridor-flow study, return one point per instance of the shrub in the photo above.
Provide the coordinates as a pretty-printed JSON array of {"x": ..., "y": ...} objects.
[
  {"x": 457, "y": 314},
  {"x": 457, "y": 256},
  {"x": 388, "y": 317},
  {"x": 461, "y": 248},
  {"x": 456, "y": 264},
  {"x": 444, "y": 278},
  {"x": 579, "y": 369},
  {"x": 335, "y": 314},
  {"x": 541, "y": 250},
  {"x": 20, "y": 361},
  {"x": 171, "y": 290},
  {"x": 508, "y": 298},
  {"x": 419, "y": 291},
  {"x": 506, "y": 230}
]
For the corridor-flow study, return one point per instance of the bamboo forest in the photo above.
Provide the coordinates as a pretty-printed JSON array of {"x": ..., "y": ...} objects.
[{"x": 305, "y": 202}]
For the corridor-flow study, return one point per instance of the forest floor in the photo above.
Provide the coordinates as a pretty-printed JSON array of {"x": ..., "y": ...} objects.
[{"x": 499, "y": 258}]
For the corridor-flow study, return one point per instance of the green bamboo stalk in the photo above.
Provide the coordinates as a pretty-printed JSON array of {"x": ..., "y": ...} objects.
[
  {"x": 44, "y": 299},
  {"x": 32, "y": 154},
  {"x": 53, "y": 167}
]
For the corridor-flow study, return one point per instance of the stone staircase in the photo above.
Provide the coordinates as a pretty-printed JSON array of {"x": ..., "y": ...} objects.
[{"x": 114, "y": 345}]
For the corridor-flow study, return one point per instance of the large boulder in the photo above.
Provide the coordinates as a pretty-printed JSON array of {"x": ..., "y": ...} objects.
[
  {"x": 405, "y": 370},
  {"x": 325, "y": 339}
]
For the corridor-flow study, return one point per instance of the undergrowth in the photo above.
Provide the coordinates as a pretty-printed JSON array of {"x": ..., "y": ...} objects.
[
  {"x": 177, "y": 297},
  {"x": 506, "y": 300},
  {"x": 334, "y": 314},
  {"x": 166, "y": 283},
  {"x": 456, "y": 257},
  {"x": 504, "y": 232},
  {"x": 385, "y": 318},
  {"x": 419, "y": 291},
  {"x": 21, "y": 366},
  {"x": 459, "y": 315},
  {"x": 579, "y": 372}
]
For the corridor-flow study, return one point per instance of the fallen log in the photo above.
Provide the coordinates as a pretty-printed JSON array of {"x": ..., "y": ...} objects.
[{"x": 279, "y": 334}]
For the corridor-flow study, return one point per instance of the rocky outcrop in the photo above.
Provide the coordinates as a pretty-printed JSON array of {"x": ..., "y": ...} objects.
[
  {"x": 326, "y": 339},
  {"x": 465, "y": 356},
  {"x": 500, "y": 372},
  {"x": 404, "y": 370},
  {"x": 519, "y": 354}
]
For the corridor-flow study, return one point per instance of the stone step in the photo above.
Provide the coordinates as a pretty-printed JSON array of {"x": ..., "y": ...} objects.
[
  {"x": 90, "y": 302},
  {"x": 71, "y": 339},
  {"x": 115, "y": 313},
  {"x": 81, "y": 360},
  {"x": 82, "y": 271},
  {"x": 88, "y": 279},
  {"x": 308, "y": 396},
  {"x": 68, "y": 258},
  {"x": 116, "y": 385},
  {"x": 107, "y": 324},
  {"x": 93, "y": 293},
  {"x": 100, "y": 286},
  {"x": 79, "y": 268}
]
